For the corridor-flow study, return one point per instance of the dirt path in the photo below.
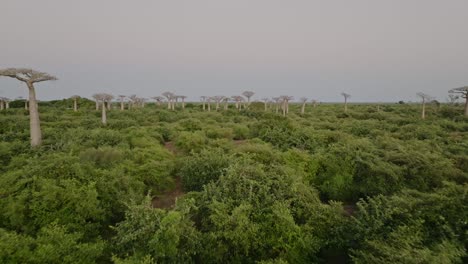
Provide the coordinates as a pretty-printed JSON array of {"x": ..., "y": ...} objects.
[{"x": 168, "y": 199}]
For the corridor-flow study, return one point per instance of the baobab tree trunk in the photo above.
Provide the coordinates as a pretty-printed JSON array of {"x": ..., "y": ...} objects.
[
  {"x": 217, "y": 105},
  {"x": 303, "y": 108},
  {"x": 423, "y": 114},
  {"x": 203, "y": 105},
  {"x": 284, "y": 108},
  {"x": 122, "y": 106},
  {"x": 346, "y": 105},
  {"x": 97, "y": 105},
  {"x": 226, "y": 105},
  {"x": 26, "y": 105},
  {"x": 109, "y": 105},
  {"x": 34, "y": 122},
  {"x": 7, "y": 105},
  {"x": 183, "y": 103},
  {"x": 169, "y": 104},
  {"x": 466, "y": 105},
  {"x": 266, "y": 106},
  {"x": 209, "y": 106},
  {"x": 75, "y": 105},
  {"x": 1, "y": 105},
  {"x": 104, "y": 116}
]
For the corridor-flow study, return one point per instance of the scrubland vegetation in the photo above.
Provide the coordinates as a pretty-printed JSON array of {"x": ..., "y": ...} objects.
[{"x": 376, "y": 184}]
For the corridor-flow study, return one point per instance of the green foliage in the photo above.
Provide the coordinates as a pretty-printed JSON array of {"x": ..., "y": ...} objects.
[
  {"x": 202, "y": 168},
  {"x": 238, "y": 186}
]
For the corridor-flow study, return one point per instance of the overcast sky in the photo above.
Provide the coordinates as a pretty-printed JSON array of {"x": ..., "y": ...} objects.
[{"x": 375, "y": 50}]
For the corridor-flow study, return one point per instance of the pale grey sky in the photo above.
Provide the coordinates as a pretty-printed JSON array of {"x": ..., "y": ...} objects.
[{"x": 375, "y": 50}]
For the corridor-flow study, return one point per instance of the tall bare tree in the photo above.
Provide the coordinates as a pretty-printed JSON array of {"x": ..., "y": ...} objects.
[
  {"x": 169, "y": 96},
  {"x": 2, "y": 103},
  {"x": 314, "y": 103},
  {"x": 209, "y": 102},
  {"x": 265, "y": 103},
  {"x": 182, "y": 98},
  {"x": 75, "y": 102},
  {"x": 226, "y": 103},
  {"x": 452, "y": 98},
  {"x": 346, "y": 97},
  {"x": 96, "y": 99},
  {"x": 109, "y": 98},
  {"x": 203, "y": 100},
  {"x": 122, "y": 102},
  {"x": 158, "y": 99},
  {"x": 248, "y": 94},
  {"x": 30, "y": 77},
  {"x": 463, "y": 91},
  {"x": 425, "y": 98},
  {"x": 303, "y": 101},
  {"x": 277, "y": 101},
  {"x": 218, "y": 99}
]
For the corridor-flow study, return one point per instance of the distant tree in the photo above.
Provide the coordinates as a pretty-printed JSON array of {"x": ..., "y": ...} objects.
[
  {"x": 133, "y": 101},
  {"x": 218, "y": 99},
  {"x": 265, "y": 103},
  {"x": 30, "y": 77},
  {"x": 109, "y": 98},
  {"x": 96, "y": 99},
  {"x": 425, "y": 98},
  {"x": 7, "y": 102},
  {"x": 103, "y": 98},
  {"x": 2, "y": 103},
  {"x": 285, "y": 103},
  {"x": 452, "y": 98},
  {"x": 238, "y": 99},
  {"x": 277, "y": 102},
  {"x": 314, "y": 103},
  {"x": 248, "y": 94},
  {"x": 303, "y": 101},
  {"x": 170, "y": 97},
  {"x": 183, "y": 97},
  {"x": 75, "y": 102},
  {"x": 346, "y": 97},
  {"x": 209, "y": 99},
  {"x": 226, "y": 103},
  {"x": 203, "y": 100},
  {"x": 158, "y": 99},
  {"x": 463, "y": 91},
  {"x": 122, "y": 103}
]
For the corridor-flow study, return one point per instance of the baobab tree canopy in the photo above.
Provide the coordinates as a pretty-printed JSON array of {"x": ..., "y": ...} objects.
[
  {"x": 461, "y": 90},
  {"x": 27, "y": 75}
]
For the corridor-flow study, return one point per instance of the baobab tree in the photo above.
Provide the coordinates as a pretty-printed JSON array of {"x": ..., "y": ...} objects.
[
  {"x": 209, "y": 102},
  {"x": 463, "y": 91},
  {"x": 303, "y": 101},
  {"x": 346, "y": 97},
  {"x": 122, "y": 103},
  {"x": 277, "y": 101},
  {"x": 75, "y": 102},
  {"x": 109, "y": 98},
  {"x": 170, "y": 97},
  {"x": 182, "y": 98},
  {"x": 425, "y": 98},
  {"x": 452, "y": 98},
  {"x": 203, "y": 100},
  {"x": 248, "y": 94},
  {"x": 103, "y": 98},
  {"x": 30, "y": 77},
  {"x": 2, "y": 103},
  {"x": 265, "y": 103},
  {"x": 285, "y": 103},
  {"x": 226, "y": 103},
  {"x": 218, "y": 99},
  {"x": 158, "y": 99},
  {"x": 314, "y": 103},
  {"x": 237, "y": 99},
  {"x": 96, "y": 99}
]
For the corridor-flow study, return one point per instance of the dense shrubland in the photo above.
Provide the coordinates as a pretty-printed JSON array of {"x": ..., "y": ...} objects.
[{"x": 364, "y": 186}]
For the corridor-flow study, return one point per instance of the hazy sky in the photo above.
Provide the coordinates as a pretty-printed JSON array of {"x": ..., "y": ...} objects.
[{"x": 376, "y": 50}]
